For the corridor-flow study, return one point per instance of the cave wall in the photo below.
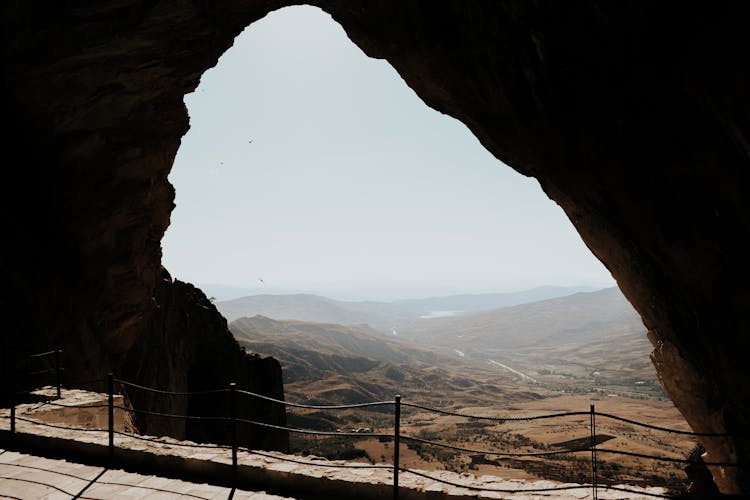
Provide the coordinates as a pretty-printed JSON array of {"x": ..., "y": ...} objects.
[
  {"x": 189, "y": 347},
  {"x": 633, "y": 116},
  {"x": 93, "y": 117},
  {"x": 635, "y": 119}
]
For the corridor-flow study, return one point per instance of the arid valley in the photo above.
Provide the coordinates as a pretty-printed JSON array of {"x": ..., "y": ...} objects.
[{"x": 505, "y": 357}]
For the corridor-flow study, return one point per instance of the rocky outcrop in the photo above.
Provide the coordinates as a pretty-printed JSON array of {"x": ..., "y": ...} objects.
[
  {"x": 188, "y": 348},
  {"x": 85, "y": 202},
  {"x": 635, "y": 120},
  {"x": 634, "y": 117},
  {"x": 701, "y": 482}
]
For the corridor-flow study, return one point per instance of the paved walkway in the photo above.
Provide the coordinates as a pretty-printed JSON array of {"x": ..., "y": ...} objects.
[{"x": 29, "y": 477}]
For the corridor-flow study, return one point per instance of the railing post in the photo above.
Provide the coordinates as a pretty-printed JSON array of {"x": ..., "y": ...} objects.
[
  {"x": 111, "y": 414},
  {"x": 233, "y": 429},
  {"x": 593, "y": 452},
  {"x": 396, "y": 444},
  {"x": 13, "y": 393},
  {"x": 58, "y": 380}
]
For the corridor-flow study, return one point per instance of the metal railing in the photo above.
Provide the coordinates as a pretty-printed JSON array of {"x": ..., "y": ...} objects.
[
  {"x": 57, "y": 368},
  {"x": 233, "y": 420}
]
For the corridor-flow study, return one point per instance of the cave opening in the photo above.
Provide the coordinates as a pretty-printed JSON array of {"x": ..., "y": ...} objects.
[{"x": 312, "y": 169}]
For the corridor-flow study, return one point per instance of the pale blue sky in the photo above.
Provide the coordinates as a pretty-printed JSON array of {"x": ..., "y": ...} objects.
[{"x": 351, "y": 186}]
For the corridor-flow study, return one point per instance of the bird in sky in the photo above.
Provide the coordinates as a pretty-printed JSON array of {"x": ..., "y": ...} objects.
[{"x": 261, "y": 280}]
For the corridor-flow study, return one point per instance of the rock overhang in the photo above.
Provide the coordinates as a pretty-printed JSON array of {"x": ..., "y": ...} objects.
[{"x": 634, "y": 119}]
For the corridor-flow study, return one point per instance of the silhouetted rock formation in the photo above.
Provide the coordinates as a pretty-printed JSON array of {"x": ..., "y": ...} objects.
[
  {"x": 188, "y": 348},
  {"x": 701, "y": 482},
  {"x": 633, "y": 116}
]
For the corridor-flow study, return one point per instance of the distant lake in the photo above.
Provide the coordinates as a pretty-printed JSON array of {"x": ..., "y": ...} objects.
[{"x": 439, "y": 314}]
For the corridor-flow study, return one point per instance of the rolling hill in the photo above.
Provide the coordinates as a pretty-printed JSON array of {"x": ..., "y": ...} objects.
[
  {"x": 585, "y": 341},
  {"x": 305, "y": 307},
  {"x": 333, "y": 364},
  {"x": 488, "y": 301},
  {"x": 329, "y": 347},
  {"x": 384, "y": 317},
  {"x": 574, "y": 319}
]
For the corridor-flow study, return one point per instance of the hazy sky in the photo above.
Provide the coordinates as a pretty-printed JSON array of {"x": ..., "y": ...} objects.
[{"x": 351, "y": 186}]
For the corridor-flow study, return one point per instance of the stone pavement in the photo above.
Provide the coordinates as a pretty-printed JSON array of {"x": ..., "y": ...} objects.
[
  {"x": 29, "y": 477},
  {"x": 273, "y": 471}
]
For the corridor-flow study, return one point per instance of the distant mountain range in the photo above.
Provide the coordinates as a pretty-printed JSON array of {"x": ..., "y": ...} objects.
[
  {"x": 382, "y": 316},
  {"x": 488, "y": 301},
  {"x": 577, "y": 318},
  {"x": 379, "y": 315},
  {"x": 583, "y": 341}
]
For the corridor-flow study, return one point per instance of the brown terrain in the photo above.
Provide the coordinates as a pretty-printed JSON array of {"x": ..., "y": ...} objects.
[
  {"x": 568, "y": 432},
  {"x": 557, "y": 358}
]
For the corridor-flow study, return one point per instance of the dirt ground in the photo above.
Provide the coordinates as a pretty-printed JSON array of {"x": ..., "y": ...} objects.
[{"x": 548, "y": 435}]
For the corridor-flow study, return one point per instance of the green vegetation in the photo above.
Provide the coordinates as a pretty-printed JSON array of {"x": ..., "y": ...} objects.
[
  {"x": 332, "y": 448},
  {"x": 428, "y": 453}
]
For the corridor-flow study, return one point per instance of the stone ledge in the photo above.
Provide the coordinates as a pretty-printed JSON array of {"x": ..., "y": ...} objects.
[
  {"x": 274, "y": 475},
  {"x": 270, "y": 471}
]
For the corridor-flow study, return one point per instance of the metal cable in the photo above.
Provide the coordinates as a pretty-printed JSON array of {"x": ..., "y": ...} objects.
[
  {"x": 302, "y": 462},
  {"x": 496, "y": 419},
  {"x": 171, "y": 393},
  {"x": 32, "y": 407},
  {"x": 665, "y": 459},
  {"x": 316, "y": 433},
  {"x": 39, "y": 355},
  {"x": 36, "y": 422},
  {"x": 665, "y": 429},
  {"x": 497, "y": 453},
  {"x": 169, "y": 415},
  {"x": 370, "y": 435},
  {"x": 316, "y": 407},
  {"x": 81, "y": 406},
  {"x": 41, "y": 372}
]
